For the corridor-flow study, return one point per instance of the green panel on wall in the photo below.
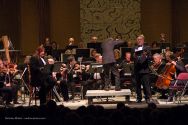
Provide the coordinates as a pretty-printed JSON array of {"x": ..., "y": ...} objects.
[{"x": 104, "y": 18}]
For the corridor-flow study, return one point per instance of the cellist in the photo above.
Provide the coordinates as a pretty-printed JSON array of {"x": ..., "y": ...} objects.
[
  {"x": 158, "y": 68},
  {"x": 180, "y": 67}
]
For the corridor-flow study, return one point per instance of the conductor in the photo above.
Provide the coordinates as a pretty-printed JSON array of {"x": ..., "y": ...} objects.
[{"x": 110, "y": 63}]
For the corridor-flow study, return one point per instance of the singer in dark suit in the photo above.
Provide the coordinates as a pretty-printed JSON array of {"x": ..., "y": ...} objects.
[
  {"x": 110, "y": 62},
  {"x": 41, "y": 74},
  {"x": 142, "y": 57}
]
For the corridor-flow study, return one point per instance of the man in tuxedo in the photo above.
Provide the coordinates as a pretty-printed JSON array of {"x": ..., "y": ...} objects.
[
  {"x": 41, "y": 74},
  {"x": 110, "y": 62},
  {"x": 142, "y": 57}
]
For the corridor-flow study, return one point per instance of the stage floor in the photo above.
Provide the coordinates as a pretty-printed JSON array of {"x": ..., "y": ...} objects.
[{"x": 111, "y": 104}]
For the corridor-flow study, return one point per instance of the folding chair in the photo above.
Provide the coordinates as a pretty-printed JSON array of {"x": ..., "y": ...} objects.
[{"x": 183, "y": 77}]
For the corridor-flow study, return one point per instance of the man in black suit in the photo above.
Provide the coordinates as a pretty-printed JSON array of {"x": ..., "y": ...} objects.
[
  {"x": 110, "y": 62},
  {"x": 41, "y": 74},
  {"x": 142, "y": 57}
]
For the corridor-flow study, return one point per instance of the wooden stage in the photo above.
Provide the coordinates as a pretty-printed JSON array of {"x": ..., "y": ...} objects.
[{"x": 110, "y": 102}]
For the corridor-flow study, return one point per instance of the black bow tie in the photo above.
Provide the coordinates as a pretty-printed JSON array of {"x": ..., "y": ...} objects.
[{"x": 140, "y": 45}]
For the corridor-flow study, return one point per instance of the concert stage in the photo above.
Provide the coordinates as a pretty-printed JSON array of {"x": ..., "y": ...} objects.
[{"x": 111, "y": 103}]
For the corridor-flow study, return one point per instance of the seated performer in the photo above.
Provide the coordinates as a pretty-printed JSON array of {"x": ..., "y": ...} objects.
[
  {"x": 157, "y": 68},
  {"x": 7, "y": 85},
  {"x": 94, "y": 78},
  {"x": 180, "y": 67},
  {"x": 62, "y": 82},
  {"x": 73, "y": 74},
  {"x": 41, "y": 74},
  {"x": 127, "y": 69}
]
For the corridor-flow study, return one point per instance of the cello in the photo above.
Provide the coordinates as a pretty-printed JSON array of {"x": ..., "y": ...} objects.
[{"x": 165, "y": 78}]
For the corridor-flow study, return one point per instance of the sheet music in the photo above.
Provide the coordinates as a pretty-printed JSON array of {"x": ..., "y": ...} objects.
[
  {"x": 97, "y": 66},
  {"x": 139, "y": 49}
]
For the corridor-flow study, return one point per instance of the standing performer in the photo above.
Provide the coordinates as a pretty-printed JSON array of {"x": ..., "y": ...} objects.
[
  {"x": 142, "y": 56},
  {"x": 110, "y": 62},
  {"x": 41, "y": 74}
]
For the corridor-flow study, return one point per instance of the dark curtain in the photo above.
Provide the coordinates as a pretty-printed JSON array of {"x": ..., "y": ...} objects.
[
  {"x": 175, "y": 22},
  {"x": 44, "y": 19},
  {"x": 10, "y": 21}
]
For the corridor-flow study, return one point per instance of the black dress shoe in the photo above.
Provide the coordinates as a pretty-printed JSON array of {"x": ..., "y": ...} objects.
[
  {"x": 17, "y": 102},
  {"x": 9, "y": 104},
  {"x": 71, "y": 98},
  {"x": 117, "y": 89},
  {"x": 138, "y": 101},
  {"x": 170, "y": 99},
  {"x": 147, "y": 100},
  {"x": 106, "y": 88},
  {"x": 163, "y": 97}
]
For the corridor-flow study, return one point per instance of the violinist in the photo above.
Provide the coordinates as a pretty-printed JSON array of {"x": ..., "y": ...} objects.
[
  {"x": 180, "y": 67},
  {"x": 61, "y": 79},
  {"x": 6, "y": 85},
  {"x": 73, "y": 73}
]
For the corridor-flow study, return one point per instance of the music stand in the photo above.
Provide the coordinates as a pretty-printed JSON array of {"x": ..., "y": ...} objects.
[
  {"x": 96, "y": 68},
  {"x": 23, "y": 82},
  {"x": 120, "y": 45},
  {"x": 123, "y": 50},
  {"x": 155, "y": 50},
  {"x": 82, "y": 52},
  {"x": 71, "y": 47},
  {"x": 64, "y": 57},
  {"x": 163, "y": 45},
  {"x": 57, "y": 66},
  {"x": 96, "y": 46}
]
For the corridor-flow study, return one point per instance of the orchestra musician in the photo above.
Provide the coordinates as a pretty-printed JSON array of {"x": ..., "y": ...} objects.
[
  {"x": 117, "y": 56},
  {"x": 93, "y": 53},
  {"x": 175, "y": 59},
  {"x": 158, "y": 68},
  {"x": 61, "y": 79},
  {"x": 7, "y": 85},
  {"x": 41, "y": 73},
  {"x": 142, "y": 57},
  {"x": 94, "y": 39},
  {"x": 109, "y": 63},
  {"x": 73, "y": 74},
  {"x": 95, "y": 79},
  {"x": 127, "y": 69},
  {"x": 47, "y": 46}
]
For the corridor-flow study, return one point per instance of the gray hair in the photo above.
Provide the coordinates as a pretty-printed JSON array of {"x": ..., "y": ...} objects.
[{"x": 157, "y": 55}]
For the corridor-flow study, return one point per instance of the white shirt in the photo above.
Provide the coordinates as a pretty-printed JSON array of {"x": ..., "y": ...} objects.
[
  {"x": 97, "y": 76},
  {"x": 139, "y": 49},
  {"x": 43, "y": 61}
]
